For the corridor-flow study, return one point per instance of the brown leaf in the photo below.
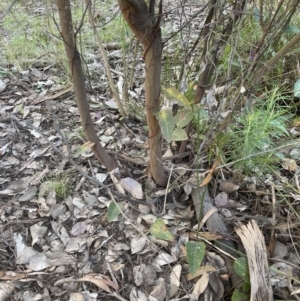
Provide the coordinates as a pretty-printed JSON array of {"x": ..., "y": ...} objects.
[
  {"x": 211, "y": 171},
  {"x": 228, "y": 186},
  {"x": 101, "y": 281},
  {"x": 205, "y": 235},
  {"x": 200, "y": 271},
  {"x": 199, "y": 287}
]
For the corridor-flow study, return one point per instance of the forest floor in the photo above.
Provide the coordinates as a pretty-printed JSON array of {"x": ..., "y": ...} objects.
[{"x": 64, "y": 238}]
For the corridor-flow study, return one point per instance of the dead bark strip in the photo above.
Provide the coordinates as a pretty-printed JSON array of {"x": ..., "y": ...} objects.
[{"x": 254, "y": 244}]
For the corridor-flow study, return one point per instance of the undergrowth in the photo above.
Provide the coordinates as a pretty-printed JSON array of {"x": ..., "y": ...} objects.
[{"x": 257, "y": 130}]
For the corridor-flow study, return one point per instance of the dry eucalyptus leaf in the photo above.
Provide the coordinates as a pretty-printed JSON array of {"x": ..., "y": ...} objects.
[
  {"x": 101, "y": 281},
  {"x": 79, "y": 228},
  {"x": 221, "y": 199},
  {"x": 101, "y": 177},
  {"x": 216, "y": 284},
  {"x": 281, "y": 274},
  {"x": 137, "y": 244},
  {"x": 149, "y": 218},
  {"x": 37, "y": 232},
  {"x": 121, "y": 246},
  {"x": 136, "y": 295},
  {"x": 133, "y": 187},
  {"x": 280, "y": 250},
  {"x": 187, "y": 188},
  {"x": 111, "y": 104},
  {"x": 6, "y": 289},
  {"x": 228, "y": 187},
  {"x": 75, "y": 244},
  {"x": 29, "y": 194},
  {"x": 200, "y": 271},
  {"x": 138, "y": 277},
  {"x": 217, "y": 261},
  {"x": 199, "y": 287},
  {"x": 61, "y": 232},
  {"x": 116, "y": 181},
  {"x": 175, "y": 279},
  {"x": 39, "y": 262},
  {"x": 76, "y": 297},
  {"x": 163, "y": 259},
  {"x": 289, "y": 164},
  {"x": 159, "y": 291}
]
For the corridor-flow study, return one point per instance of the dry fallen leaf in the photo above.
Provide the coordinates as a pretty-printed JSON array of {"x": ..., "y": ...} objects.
[
  {"x": 133, "y": 187},
  {"x": 290, "y": 164},
  {"x": 6, "y": 289},
  {"x": 175, "y": 279},
  {"x": 200, "y": 271},
  {"x": 159, "y": 291},
  {"x": 221, "y": 199},
  {"x": 137, "y": 244},
  {"x": 101, "y": 281},
  {"x": 199, "y": 287},
  {"x": 136, "y": 295},
  {"x": 228, "y": 186}
]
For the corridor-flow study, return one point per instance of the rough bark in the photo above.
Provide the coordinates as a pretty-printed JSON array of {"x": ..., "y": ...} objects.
[
  {"x": 147, "y": 30},
  {"x": 74, "y": 61}
]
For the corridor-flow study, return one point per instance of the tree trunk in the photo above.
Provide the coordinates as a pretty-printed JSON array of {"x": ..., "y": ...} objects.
[
  {"x": 148, "y": 32},
  {"x": 73, "y": 56}
]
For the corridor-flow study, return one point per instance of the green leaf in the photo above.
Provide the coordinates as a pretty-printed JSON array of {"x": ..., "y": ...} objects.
[
  {"x": 238, "y": 296},
  {"x": 241, "y": 268},
  {"x": 166, "y": 122},
  {"x": 201, "y": 118},
  {"x": 160, "y": 230},
  {"x": 3, "y": 73},
  {"x": 195, "y": 254},
  {"x": 172, "y": 93},
  {"x": 113, "y": 211},
  {"x": 222, "y": 139},
  {"x": 291, "y": 29},
  {"x": 179, "y": 135},
  {"x": 183, "y": 117},
  {"x": 297, "y": 88},
  {"x": 246, "y": 287}
]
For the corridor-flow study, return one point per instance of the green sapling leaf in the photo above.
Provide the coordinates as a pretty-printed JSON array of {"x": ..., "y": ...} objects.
[
  {"x": 113, "y": 211},
  {"x": 241, "y": 268},
  {"x": 166, "y": 122},
  {"x": 238, "y": 296},
  {"x": 195, "y": 254},
  {"x": 160, "y": 230},
  {"x": 183, "y": 117},
  {"x": 179, "y": 135},
  {"x": 172, "y": 93}
]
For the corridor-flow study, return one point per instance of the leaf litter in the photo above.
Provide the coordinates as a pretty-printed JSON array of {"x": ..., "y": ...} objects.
[{"x": 83, "y": 245}]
